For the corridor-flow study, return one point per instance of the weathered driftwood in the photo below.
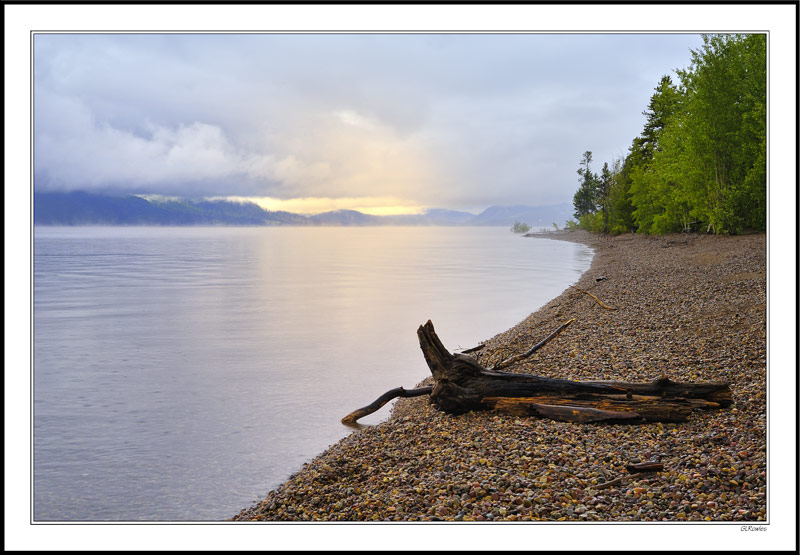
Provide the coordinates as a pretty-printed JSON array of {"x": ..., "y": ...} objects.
[
  {"x": 463, "y": 384},
  {"x": 353, "y": 417}
]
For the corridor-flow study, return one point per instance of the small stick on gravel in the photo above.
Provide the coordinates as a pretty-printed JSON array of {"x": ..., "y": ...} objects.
[
  {"x": 645, "y": 467},
  {"x": 633, "y": 469},
  {"x": 616, "y": 480},
  {"x": 601, "y": 303},
  {"x": 508, "y": 362}
]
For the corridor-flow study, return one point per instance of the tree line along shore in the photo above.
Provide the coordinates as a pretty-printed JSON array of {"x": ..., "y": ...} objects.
[{"x": 699, "y": 163}]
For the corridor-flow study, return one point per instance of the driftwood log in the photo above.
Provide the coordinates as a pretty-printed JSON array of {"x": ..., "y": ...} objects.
[{"x": 463, "y": 384}]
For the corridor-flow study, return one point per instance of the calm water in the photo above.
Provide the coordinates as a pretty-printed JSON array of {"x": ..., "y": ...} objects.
[{"x": 182, "y": 373}]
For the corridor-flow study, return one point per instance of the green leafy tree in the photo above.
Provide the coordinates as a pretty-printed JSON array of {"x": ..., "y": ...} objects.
[
  {"x": 592, "y": 222},
  {"x": 520, "y": 227},
  {"x": 723, "y": 132},
  {"x": 700, "y": 161}
]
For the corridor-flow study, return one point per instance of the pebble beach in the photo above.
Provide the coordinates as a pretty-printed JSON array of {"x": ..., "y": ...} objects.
[{"x": 690, "y": 307}]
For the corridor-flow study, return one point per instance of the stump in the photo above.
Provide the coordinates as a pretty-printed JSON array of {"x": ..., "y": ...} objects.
[{"x": 463, "y": 384}]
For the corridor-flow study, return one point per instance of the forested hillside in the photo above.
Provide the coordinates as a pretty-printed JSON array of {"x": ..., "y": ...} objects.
[{"x": 700, "y": 162}]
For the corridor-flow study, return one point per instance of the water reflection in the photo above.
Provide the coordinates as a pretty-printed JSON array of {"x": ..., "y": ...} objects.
[{"x": 182, "y": 373}]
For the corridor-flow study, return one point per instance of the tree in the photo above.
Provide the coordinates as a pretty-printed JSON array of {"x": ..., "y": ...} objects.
[
  {"x": 585, "y": 199},
  {"x": 648, "y": 192},
  {"x": 519, "y": 227},
  {"x": 663, "y": 105},
  {"x": 723, "y": 131},
  {"x": 603, "y": 193},
  {"x": 700, "y": 161},
  {"x": 620, "y": 209},
  {"x": 591, "y": 201}
]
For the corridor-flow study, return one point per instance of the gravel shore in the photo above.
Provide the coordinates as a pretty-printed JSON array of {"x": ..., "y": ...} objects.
[{"x": 691, "y": 307}]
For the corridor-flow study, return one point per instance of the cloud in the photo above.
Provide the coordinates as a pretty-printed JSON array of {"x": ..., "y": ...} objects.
[
  {"x": 461, "y": 121},
  {"x": 77, "y": 150},
  {"x": 341, "y": 151}
]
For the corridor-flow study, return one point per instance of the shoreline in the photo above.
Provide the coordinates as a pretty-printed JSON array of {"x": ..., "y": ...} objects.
[{"x": 691, "y": 307}]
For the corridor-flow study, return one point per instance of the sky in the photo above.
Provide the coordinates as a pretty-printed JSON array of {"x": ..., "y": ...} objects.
[{"x": 383, "y": 123}]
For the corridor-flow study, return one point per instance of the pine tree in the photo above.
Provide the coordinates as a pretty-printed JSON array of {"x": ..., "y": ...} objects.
[
  {"x": 603, "y": 188},
  {"x": 585, "y": 199}
]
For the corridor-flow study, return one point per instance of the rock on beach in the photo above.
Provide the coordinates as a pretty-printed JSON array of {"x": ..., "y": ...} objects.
[{"x": 691, "y": 307}]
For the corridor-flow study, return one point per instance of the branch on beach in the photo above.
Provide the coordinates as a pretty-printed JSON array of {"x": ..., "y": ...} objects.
[
  {"x": 513, "y": 360},
  {"x": 644, "y": 467},
  {"x": 462, "y": 384},
  {"x": 601, "y": 303},
  {"x": 353, "y": 417}
]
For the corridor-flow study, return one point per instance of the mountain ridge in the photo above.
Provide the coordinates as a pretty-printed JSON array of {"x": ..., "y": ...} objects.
[{"x": 82, "y": 208}]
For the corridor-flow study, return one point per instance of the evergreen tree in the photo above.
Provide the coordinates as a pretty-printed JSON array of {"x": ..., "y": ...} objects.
[
  {"x": 663, "y": 104},
  {"x": 603, "y": 189},
  {"x": 647, "y": 189},
  {"x": 585, "y": 199},
  {"x": 620, "y": 206}
]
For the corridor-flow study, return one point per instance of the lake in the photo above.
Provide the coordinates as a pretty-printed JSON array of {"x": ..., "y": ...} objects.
[{"x": 181, "y": 373}]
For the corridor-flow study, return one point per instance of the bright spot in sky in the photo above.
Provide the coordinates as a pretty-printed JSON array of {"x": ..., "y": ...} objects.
[{"x": 377, "y": 206}]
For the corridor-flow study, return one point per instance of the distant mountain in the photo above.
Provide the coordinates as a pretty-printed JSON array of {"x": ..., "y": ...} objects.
[
  {"x": 344, "y": 217},
  {"x": 534, "y": 216},
  {"x": 434, "y": 216},
  {"x": 80, "y": 208}
]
